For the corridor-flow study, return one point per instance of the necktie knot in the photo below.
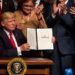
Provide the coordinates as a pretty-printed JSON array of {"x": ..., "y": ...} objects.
[{"x": 10, "y": 34}]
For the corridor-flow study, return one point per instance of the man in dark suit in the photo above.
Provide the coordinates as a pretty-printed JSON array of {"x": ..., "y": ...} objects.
[
  {"x": 72, "y": 11},
  {"x": 10, "y": 5},
  {"x": 63, "y": 28},
  {"x": 12, "y": 41}
]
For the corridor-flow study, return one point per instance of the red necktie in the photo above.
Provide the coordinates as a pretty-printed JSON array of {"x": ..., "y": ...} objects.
[{"x": 12, "y": 40}]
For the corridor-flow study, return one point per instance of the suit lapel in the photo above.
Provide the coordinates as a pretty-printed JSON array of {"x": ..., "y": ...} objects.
[
  {"x": 16, "y": 36},
  {"x": 6, "y": 40}
]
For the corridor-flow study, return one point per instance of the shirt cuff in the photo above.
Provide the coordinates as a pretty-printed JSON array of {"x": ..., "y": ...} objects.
[{"x": 19, "y": 51}]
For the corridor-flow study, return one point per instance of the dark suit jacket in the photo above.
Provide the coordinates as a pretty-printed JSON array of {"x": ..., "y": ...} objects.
[
  {"x": 63, "y": 31},
  {"x": 8, "y": 5},
  {"x": 46, "y": 12},
  {"x": 6, "y": 48}
]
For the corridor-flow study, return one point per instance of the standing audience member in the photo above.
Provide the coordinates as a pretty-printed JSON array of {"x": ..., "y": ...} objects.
[
  {"x": 12, "y": 41},
  {"x": 0, "y": 4},
  {"x": 72, "y": 11},
  {"x": 54, "y": 55},
  {"x": 47, "y": 10},
  {"x": 9, "y": 5},
  {"x": 0, "y": 10},
  {"x": 63, "y": 28},
  {"x": 15, "y": 2},
  {"x": 0, "y": 7}
]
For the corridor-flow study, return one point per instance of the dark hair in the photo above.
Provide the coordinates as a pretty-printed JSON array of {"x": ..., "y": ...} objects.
[{"x": 20, "y": 4}]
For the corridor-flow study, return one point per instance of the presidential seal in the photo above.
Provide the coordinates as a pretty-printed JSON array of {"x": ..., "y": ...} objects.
[{"x": 17, "y": 66}]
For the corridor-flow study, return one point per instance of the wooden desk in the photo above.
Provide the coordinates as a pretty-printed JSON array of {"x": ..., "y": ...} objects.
[{"x": 41, "y": 65}]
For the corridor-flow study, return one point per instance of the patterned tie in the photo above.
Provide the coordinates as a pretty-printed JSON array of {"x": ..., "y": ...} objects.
[{"x": 12, "y": 40}]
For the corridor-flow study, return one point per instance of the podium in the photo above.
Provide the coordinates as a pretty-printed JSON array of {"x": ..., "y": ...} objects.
[{"x": 35, "y": 66}]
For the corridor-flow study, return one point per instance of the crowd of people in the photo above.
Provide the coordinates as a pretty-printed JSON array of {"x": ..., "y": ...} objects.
[{"x": 18, "y": 15}]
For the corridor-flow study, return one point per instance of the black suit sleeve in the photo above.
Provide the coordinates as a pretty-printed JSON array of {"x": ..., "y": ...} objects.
[{"x": 68, "y": 20}]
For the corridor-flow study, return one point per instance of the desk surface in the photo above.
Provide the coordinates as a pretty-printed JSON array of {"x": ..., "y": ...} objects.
[{"x": 29, "y": 61}]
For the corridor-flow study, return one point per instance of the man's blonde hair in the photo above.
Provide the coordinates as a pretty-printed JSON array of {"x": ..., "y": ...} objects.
[{"x": 7, "y": 15}]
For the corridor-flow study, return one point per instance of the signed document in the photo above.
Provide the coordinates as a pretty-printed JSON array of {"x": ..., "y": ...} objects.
[{"x": 40, "y": 39}]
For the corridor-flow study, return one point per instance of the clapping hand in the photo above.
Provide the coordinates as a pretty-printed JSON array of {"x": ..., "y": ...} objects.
[
  {"x": 38, "y": 9},
  {"x": 72, "y": 10},
  {"x": 62, "y": 6},
  {"x": 55, "y": 9}
]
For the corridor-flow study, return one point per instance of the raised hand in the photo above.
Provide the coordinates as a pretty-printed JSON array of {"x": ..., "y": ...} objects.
[
  {"x": 39, "y": 9},
  {"x": 55, "y": 9},
  {"x": 72, "y": 10}
]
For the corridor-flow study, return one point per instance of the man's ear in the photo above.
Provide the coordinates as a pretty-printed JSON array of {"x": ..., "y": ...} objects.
[{"x": 2, "y": 23}]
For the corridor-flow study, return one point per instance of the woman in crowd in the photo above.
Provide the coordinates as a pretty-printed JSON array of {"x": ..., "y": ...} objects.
[{"x": 28, "y": 16}]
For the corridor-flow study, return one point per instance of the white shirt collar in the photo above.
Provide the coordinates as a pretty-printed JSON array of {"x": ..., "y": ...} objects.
[{"x": 6, "y": 32}]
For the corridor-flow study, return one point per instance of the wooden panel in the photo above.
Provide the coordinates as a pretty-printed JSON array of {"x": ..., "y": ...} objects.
[
  {"x": 30, "y": 71},
  {"x": 38, "y": 71},
  {"x": 43, "y": 70},
  {"x": 3, "y": 71},
  {"x": 30, "y": 61}
]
